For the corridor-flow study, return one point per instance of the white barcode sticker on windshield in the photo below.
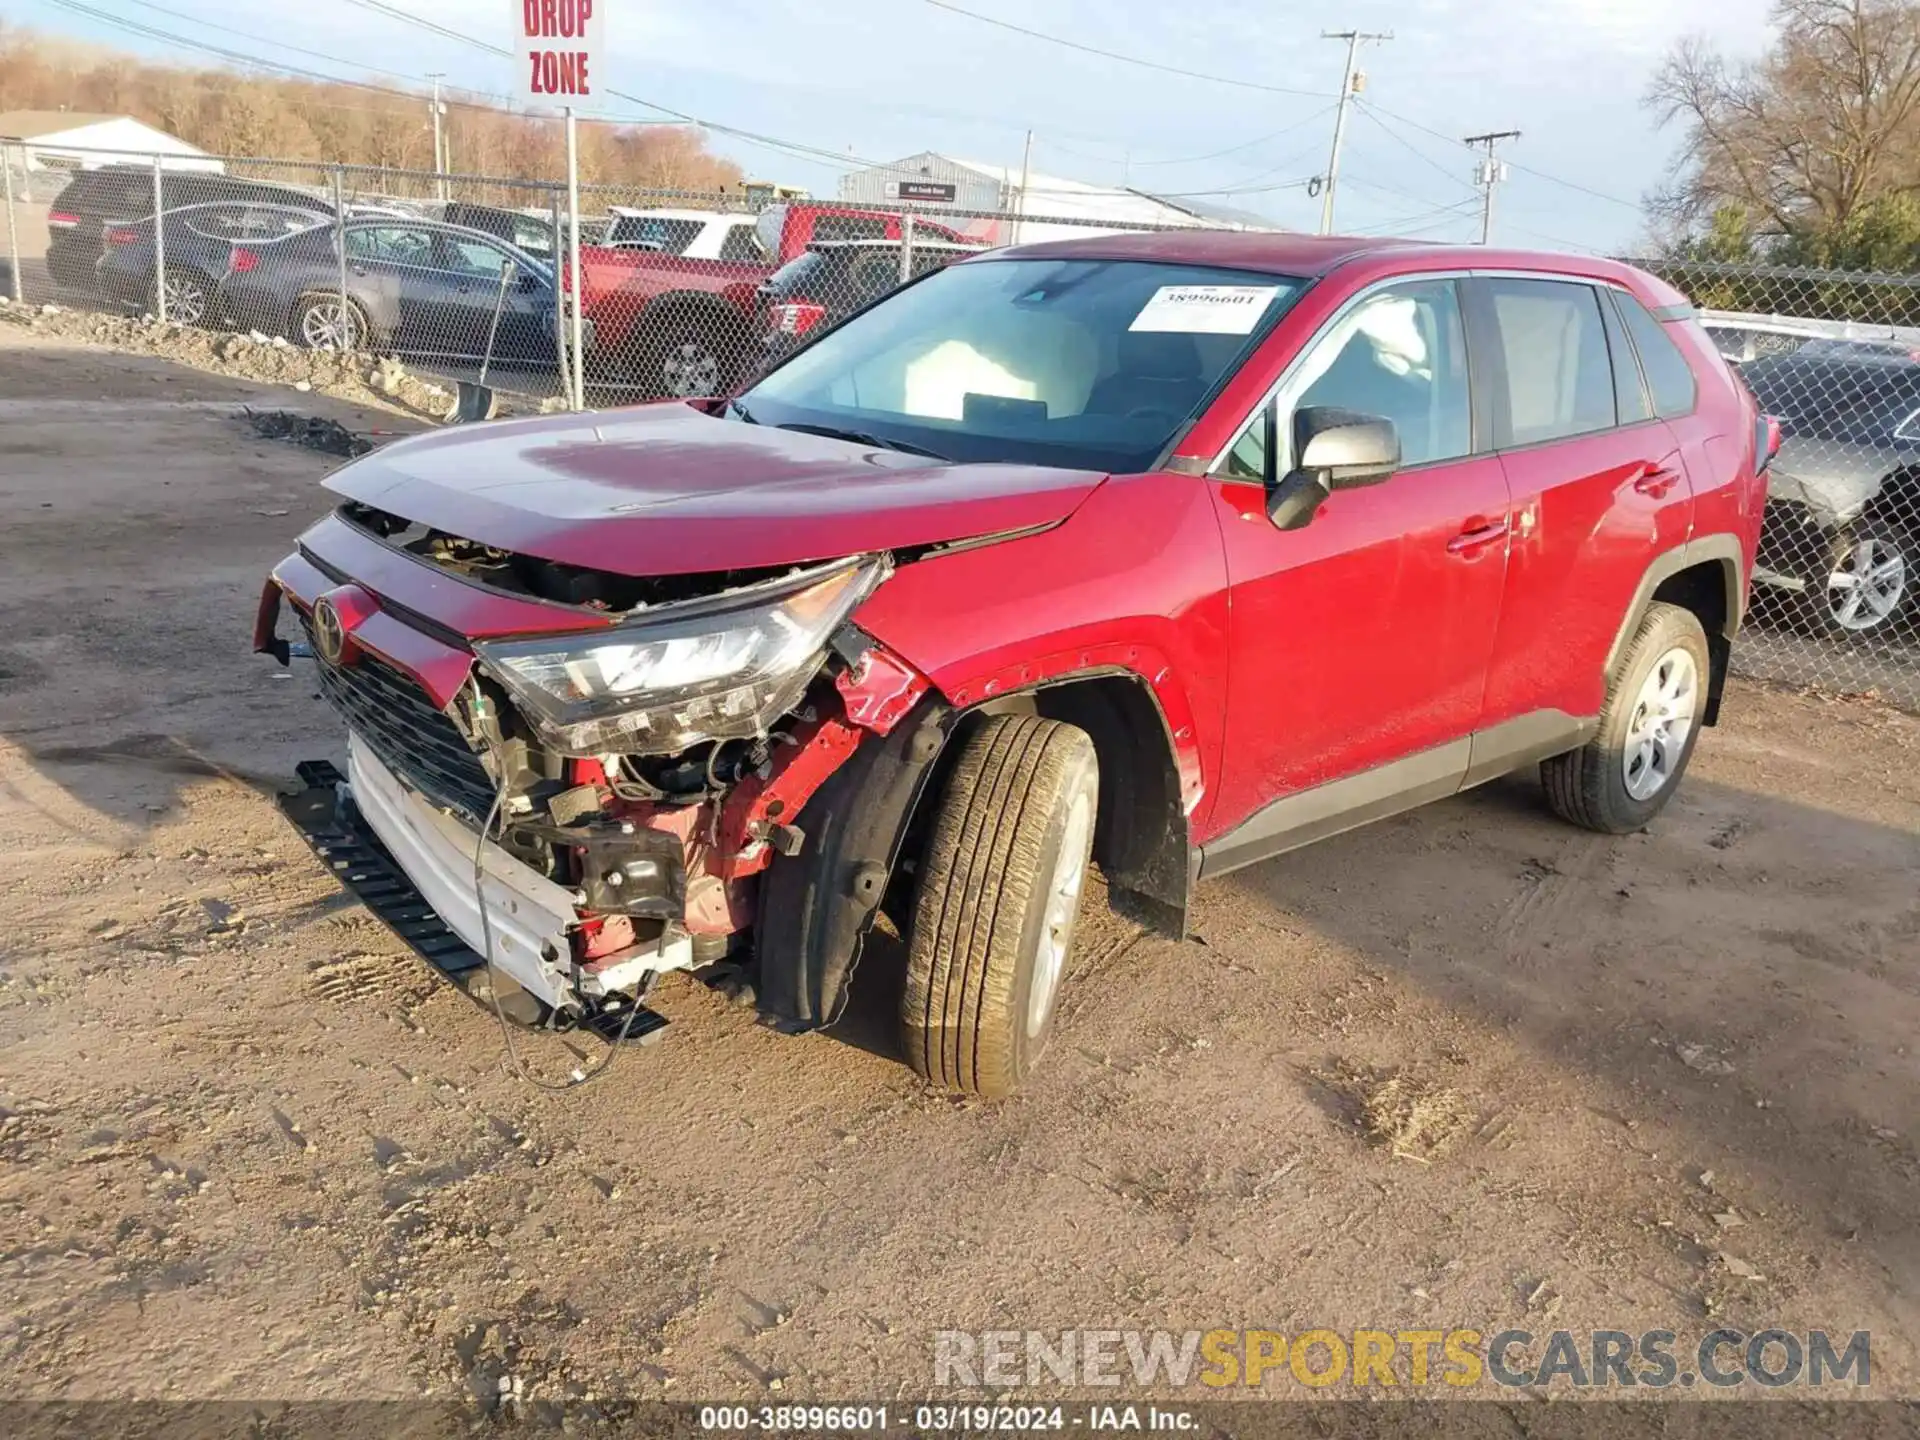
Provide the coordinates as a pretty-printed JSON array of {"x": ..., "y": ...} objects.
[{"x": 1206, "y": 309}]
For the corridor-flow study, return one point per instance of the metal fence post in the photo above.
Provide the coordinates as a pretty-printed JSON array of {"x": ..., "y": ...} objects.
[
  {"x": 906, "y": 247},
  {"x": 560, "y": 348},
  {"x": 340, "y": 246},
  {"x": 13, "y": 225},
  {"x": 159, "y": 246},
  {"x": 579, "y": 396}
]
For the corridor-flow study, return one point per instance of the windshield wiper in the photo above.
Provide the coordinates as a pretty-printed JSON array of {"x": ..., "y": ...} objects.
[
  {"x": 862, "y": 437},
  {"x": 737, "y": 408}
]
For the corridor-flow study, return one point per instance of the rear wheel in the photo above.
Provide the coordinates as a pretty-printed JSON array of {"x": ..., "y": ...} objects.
[
  {"x": 688, "y": 357},
  {"x": 189, "y": 299},
  {"x": 999, "y": 898},
  {"x": 323, "y": 322},
  {"x": 1626, "y": 774}
]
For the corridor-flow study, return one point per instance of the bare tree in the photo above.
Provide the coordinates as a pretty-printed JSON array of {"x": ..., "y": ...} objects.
[{"x": 1802, "y": 140}]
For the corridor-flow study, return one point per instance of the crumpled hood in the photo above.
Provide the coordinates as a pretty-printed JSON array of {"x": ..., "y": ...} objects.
[{"x": 668, "y": 490}]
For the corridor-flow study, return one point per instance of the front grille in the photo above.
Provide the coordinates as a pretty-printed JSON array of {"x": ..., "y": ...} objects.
[{"x": 414, "y": 739}]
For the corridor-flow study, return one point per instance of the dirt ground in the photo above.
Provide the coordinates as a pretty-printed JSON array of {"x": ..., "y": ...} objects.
[{"x": 1466, "y": 1068}]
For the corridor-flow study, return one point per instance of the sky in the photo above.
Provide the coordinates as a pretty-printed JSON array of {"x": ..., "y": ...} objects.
[{"x": 877, "y": 80}]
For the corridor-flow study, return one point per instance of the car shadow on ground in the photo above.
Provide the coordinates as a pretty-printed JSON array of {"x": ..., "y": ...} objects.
[{"x": 1747, "y": 970}]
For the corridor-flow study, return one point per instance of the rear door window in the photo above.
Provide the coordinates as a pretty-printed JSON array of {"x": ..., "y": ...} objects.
[
  {"x": 1629, "y": 385},
  {"x": 395, "y": 244},
  {"x": 1559, "y": 375},
  {"x": 654, "y": 232},
  {"x": 742, "y": 244},
  {"x": 1669, "y": 376}
]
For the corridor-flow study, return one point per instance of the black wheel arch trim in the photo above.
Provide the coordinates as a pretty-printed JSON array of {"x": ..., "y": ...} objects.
[
  {"x": 1721, "y": 549},
  {"x": 858, "y": 821}
]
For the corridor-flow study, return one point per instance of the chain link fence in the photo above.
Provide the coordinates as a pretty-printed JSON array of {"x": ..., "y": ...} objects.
[
  {"x": 682, "y": 293},
  {"x": 692, "y": 293},
  {"x": 1834, "y": 357}
]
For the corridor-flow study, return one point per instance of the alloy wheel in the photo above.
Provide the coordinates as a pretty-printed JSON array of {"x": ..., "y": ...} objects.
[
  {"x": 1662, "y": 720},
  {"x": 328, "y": 325},
  {"x": 1063, "y": 909},
  {"x": 186, "y": 299},
  {"x": 1867, "y": 586},
  {"x": 691, "y": 369}
]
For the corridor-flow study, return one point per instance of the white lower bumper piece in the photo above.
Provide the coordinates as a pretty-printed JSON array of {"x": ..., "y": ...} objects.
[{"x": 528, "y": 914}]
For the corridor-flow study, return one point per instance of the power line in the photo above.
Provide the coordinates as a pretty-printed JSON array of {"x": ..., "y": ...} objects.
[
  {"x": 252, "y": 62},
  {"x": 1196, "y": 159},
  {"x": 751, "y": 137},
  {"x": 1423, "y": 220},
  {"x": 1551, "y": 179},
  {"x": 1369, "y": 111},
  {"x": 1126, "y": 59},
  {"x": 266, "y": 40}
]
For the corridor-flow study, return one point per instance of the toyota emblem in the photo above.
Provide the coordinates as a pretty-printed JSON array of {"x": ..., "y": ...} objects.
[{"x": 329, "y": 634}]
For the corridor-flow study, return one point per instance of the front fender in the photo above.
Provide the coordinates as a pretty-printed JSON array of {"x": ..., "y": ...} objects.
[{"x": 1133, "y": 582}]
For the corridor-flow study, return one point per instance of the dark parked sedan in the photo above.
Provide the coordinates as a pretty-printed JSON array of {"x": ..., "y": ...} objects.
[
  {"x": 94, "y": 200},
  {"x": 197, "y": 248},
  {"x": 1842, "y": 532},
  {"x": 413, "y": 287}
]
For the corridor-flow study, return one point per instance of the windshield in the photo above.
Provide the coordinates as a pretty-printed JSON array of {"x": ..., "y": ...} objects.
[{"x": 1087, "y": 364}]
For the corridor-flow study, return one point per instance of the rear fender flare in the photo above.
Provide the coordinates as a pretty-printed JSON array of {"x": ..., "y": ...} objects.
[
  {"x": 1721, "y": 550},
  {"x": 1724, "y": 549}
]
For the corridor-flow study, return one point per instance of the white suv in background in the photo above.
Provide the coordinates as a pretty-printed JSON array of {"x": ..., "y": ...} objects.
[{"x": 690, "y": 234}]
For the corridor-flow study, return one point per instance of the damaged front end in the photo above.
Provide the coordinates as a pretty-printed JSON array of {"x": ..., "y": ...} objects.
[{"x": 581, "y": 776}]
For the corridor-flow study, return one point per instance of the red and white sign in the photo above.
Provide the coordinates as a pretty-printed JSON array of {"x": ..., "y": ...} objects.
[{"x": 561, "y": 50}]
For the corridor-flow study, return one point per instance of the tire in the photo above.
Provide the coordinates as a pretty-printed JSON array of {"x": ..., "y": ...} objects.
[
  {"x": 315, "y": 319},
  {"x": 688, "y": 356},
  {"x": 189, "y": 297},
  {"x": 1847, "y": 609},
  {"x": 1623, "y": 777},
  {"x": 999, "y": 893}
]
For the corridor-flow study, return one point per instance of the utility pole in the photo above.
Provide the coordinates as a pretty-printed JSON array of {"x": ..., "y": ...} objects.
[
  {"x": 439, "y": 144},
  {"x": 1026, "y": 178},
  {"x": 1487, "y": 174},
  {"x": 1350, "y": 83}
]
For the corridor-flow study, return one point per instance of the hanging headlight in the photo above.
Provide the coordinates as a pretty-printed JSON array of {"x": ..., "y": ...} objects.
[{"x": 711, "y": 671}]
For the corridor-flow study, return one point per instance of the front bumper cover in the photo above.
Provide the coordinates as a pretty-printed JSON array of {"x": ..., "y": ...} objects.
[{"x": 407, "y": 869}]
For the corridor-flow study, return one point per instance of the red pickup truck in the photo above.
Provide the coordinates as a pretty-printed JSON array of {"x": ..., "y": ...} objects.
[{"x": 678, "y": 327}]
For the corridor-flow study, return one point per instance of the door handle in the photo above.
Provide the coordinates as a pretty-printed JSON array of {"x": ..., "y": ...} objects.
[
  {"x": 1656, "y": 481},
  {"x": 1472, "y": 542}
]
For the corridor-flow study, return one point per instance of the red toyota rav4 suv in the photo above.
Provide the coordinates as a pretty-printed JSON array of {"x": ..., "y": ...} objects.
[{"x": 1169, "y": 551}]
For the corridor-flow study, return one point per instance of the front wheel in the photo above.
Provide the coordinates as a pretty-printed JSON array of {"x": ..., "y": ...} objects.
[
  {"x": 999, "y": 896},
  {"x": 1626, "y": 774}
]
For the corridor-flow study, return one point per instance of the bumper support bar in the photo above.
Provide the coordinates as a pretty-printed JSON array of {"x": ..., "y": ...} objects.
[{"x": 331, "y": 825}]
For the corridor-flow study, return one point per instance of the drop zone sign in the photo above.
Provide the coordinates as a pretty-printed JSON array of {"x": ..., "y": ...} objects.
[{"x": 560, "y": 49}]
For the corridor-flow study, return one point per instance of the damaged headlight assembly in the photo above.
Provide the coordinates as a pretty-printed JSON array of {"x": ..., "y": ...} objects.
[{"x": 718, "y": 669}]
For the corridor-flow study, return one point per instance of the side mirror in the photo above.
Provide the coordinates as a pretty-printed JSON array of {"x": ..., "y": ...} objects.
[{"x": 1334, "y": 449}]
